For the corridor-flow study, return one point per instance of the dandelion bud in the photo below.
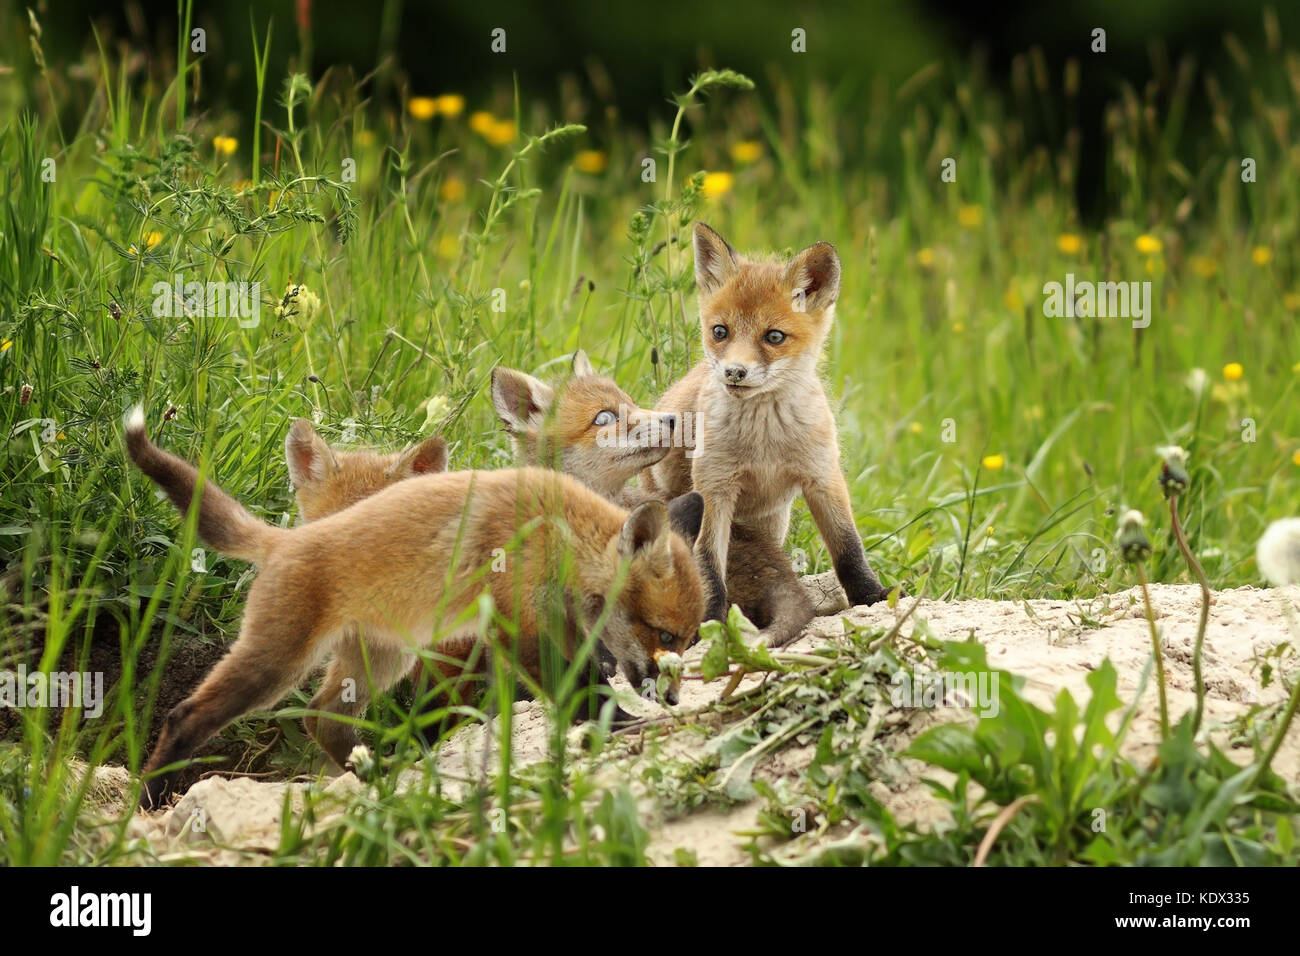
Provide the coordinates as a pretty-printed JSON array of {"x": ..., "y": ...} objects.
[
  {"x": 1173, "y": 473},
  {"x": 669, "y": 662},
  {"x": 361, "y": 761},
  {"x": 1278, "y": 552},
  {"x": 25, "y": 394},
  {"x": 1134, "y": 546}
]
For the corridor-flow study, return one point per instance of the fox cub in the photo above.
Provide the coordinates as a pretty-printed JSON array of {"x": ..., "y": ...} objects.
[
  {"x": 591, "y": 429},
  {"x": 764, "y": 432},
  {"x": 327, "y": 479},
  {"x": 409, "y": 562},
  {"x": 574, "y": 421}
]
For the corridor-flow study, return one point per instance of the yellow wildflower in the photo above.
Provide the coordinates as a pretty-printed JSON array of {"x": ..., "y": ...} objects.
[
  {"x": 225, "y": 145},
  {"x": 1069, "y": 243},
  {"x": 501, "y": 132},
  {"x": 452, "y": 189},
  {"x": 925, "y": 257},
  {"x": 970, "y": 216},
  {"x": 1204, "y": 266},
  {"x": 1233, "y": 371},
  {"x": 1012, "y": 298},
  {"x": 1148, "y": 245},
  {"x": 591, "y": 161},
  {"x": 993, "y": 462},
  {"x": 450, "y": 104},
  {"x": 366, "y": 137},
  {"x": 717, "y": 185},
  {"x": 914, "y": 428},
  {"x": 746, "y": 151},
  {"x": 480, "y": 121},
  {"x": 448, "y": 247},
  {"x": 1261, "y": 255},
  {"x": 422, "y": 107}
]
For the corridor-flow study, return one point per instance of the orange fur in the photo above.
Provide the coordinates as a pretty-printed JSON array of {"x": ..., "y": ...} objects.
[
  {"x": 759, "y": 578},
  {"x": 763, "y": 431},
  {"x": 406, "y": 566}
]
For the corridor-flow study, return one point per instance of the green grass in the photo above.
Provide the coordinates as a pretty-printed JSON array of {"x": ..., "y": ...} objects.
[{"x": 940, "y": 333}]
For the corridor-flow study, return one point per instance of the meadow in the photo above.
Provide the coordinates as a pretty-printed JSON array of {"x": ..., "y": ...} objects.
[{"x": 404, "y": 250}]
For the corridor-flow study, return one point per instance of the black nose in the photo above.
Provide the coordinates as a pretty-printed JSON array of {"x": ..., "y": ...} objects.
[{"x": 735, "y": 373}]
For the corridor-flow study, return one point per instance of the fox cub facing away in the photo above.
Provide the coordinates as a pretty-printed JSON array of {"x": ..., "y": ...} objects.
[
  {"x": 763, "y": 428},
  {"x": 408, "y": 563},
  {"x": 589, "y": 428}
]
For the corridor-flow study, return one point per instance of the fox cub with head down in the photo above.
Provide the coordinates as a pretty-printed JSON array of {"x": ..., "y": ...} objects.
[
  {"x": 409, "y": 563},
  {"x": 764, "y": 432},
  {"x": 591, "y": 429}
]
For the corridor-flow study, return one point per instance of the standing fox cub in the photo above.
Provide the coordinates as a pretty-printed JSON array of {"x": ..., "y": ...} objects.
[
  {"x": 408, "y": 563},
  {"x": 591, "y": 429},
  {"x": 763, "y": 427}
]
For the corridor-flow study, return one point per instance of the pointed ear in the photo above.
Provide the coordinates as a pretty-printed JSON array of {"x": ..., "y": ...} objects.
[
  {"x": 686, "y": 514},
  {"x": 310, "y": 459},
  {"x": 423, "y": 458},
  {"x": 521, "y": 401},
  {"x": 645, "y": 532},
  {"x": 582, "y": 365},
  {"x": 715, "y": 261},
  {"x": 813, "y": 276}
]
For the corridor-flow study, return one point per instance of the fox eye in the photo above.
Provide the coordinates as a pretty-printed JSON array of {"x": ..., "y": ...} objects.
[
  {"x": 667, "y": 641},
  {"x": 719, "y": 332},
  {"x": 605, "y": 417},
  {"x": 775, "y": 337}
]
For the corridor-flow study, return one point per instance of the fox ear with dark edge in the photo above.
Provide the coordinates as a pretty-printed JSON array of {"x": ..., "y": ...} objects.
[
  {"x": 814, "y": 276},
  {"x": 424, "y": 458},
  {"x": 582, "y": 366},
  {"x": 686, "y": 514},
  {"x": 645, "y": 531},
  {"x": 310, "y": 458},
  {"x": 715, "y": 261},
  {"x": 520, "y": 400}
]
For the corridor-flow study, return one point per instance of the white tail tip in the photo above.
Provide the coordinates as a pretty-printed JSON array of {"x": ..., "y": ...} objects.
[{"x": 135, "y": 419}]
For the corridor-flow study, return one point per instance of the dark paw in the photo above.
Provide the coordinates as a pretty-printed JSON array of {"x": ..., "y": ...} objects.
[
  {"x": 716, "y": 609},
  {"x": 882, "y": 594},
  {"x": 155, "y": 793}
]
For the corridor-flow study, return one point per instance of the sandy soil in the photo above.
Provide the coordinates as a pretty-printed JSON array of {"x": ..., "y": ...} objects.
[{"x": 1053, "y": 644}]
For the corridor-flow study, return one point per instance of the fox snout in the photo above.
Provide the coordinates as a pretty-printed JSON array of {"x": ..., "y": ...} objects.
[
  {"x": 651, "y": 429},
  {"x": 740, "y": 375}
]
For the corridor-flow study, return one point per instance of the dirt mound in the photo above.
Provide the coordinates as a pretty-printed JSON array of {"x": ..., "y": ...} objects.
[{"x": 1052, "y": 644}]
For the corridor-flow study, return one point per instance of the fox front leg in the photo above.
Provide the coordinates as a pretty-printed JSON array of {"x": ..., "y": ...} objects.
[
  {"x": 832, "y": 511},
  {"x": 711, "y": 548}
]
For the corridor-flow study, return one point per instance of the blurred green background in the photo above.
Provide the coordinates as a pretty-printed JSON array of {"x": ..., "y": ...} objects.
[{"x": 613, "y": 62}]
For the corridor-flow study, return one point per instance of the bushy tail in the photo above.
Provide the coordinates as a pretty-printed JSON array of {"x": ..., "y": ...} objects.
[{"x": 224, "y": 524}]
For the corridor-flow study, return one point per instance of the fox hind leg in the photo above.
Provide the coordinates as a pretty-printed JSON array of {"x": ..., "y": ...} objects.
[
  {"x": 346, "y": 691},
  {"x": 262, "y": 667}
]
